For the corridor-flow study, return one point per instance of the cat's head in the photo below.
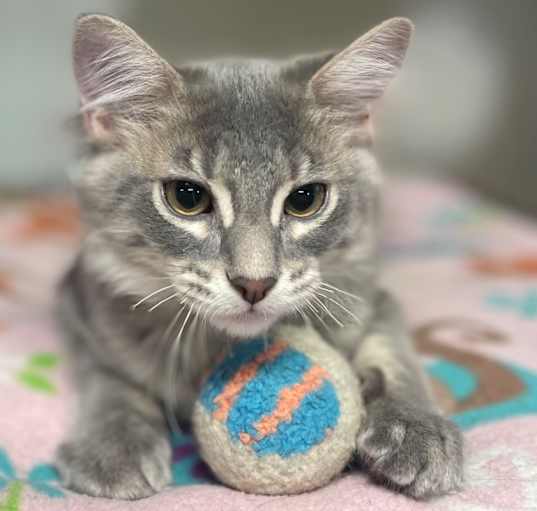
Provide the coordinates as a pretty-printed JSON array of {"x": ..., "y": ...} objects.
[{"x": 246, "y": 190}]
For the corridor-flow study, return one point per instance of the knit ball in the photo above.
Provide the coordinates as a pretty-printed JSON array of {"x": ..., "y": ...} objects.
[{"x": 279, "y": 416}]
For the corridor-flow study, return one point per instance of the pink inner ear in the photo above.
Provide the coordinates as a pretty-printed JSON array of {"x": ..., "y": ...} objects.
[
  {"x": 365, "y": 122},
  {"x": 98, "y": 124},
  {"x": 366, "y": 128}
]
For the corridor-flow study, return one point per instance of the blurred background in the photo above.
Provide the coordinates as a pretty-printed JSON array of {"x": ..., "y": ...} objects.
[{"x": 465, "y": 105}]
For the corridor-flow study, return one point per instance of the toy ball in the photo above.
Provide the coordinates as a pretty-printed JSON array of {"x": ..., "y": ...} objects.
[{"x": 279, "y": 416}]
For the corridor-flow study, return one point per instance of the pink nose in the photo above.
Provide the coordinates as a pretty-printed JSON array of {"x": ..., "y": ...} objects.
[{"x": 253, "y": 291}]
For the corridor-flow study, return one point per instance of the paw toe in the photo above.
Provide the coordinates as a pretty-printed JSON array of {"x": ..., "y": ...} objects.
[
  {"x": 118, "y": 471},
  {"x": 418, "y": 454}
]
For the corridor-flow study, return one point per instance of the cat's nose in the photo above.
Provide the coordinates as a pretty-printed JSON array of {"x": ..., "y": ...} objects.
[{"x": 253, "y": 291}]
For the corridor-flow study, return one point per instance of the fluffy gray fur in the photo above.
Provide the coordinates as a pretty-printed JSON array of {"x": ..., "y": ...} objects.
[{"x": 148, "y": 303}]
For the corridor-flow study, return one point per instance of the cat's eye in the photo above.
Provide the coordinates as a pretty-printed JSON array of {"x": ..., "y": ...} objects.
[
  {"x": 306, "y": 200},
  {"x": 187, "y": 198}
]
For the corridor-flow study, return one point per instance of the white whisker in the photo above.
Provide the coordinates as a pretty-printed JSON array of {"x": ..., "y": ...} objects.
[
  {"x": 150, "y": 295},
  {"x": 177, "y": 343},
  {"x": 173, "y": 362},
  {"x": 171, "y": 297},
  {"x": 327, "y": 310},
  {"x": 173, "y": 322},
  {"x": 316, "y": 313},
  {"x": 332, "y": 288},
  {"x": 341, "y": 306}
]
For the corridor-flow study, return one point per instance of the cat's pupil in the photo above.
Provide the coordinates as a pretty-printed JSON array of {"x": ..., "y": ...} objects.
[
  {"x": 303, "y": 198},
  {"x": 189, "y": 195}
]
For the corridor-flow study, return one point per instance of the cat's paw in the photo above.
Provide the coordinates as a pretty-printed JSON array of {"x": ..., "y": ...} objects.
[
  {"x": 121, "y": 463},
  {"x": 414, "y": 451}
]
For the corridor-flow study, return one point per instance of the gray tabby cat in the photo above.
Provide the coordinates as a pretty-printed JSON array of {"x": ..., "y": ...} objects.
[{"x": 219, "y": 200}]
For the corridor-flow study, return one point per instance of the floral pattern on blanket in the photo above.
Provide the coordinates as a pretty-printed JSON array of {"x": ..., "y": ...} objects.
[
  {"x": 42, "y": 478},
  {"x": 466, "y": 273}
]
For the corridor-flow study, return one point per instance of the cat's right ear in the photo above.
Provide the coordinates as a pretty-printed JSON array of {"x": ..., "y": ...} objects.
[
  {"x": 360, "y": 73},
  {"x": 118, "y": 74}
]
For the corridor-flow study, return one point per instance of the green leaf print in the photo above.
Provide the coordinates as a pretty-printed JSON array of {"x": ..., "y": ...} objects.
[
  {"x": 44, "y": 360},
  {"x": 12, "y": 501},
  {"x": 36, "y": 381}
]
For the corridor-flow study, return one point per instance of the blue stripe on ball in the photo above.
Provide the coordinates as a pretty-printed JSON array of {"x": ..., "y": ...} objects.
[
  {"x": 318, "y": 412},
  {"x": 241, "y": 354},
  {"x": 260, "y": 395}
]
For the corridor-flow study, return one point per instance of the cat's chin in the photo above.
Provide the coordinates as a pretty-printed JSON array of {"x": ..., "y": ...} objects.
[{"x": 245, "y": 325}]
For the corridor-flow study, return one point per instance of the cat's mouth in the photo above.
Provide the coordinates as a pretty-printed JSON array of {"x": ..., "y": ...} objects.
[{"x": 245, "y": 324}]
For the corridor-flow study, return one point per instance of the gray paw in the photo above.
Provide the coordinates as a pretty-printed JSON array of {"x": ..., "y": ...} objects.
[
  {"x": 126, "y": 460},
  {"x": 414, "y": 451}
]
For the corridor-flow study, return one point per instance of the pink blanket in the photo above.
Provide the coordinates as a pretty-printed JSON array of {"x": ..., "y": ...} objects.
[{"x": 466, "y": 273}]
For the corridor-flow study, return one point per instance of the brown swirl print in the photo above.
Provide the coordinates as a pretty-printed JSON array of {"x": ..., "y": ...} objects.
[{"x": 495, "y": 383}]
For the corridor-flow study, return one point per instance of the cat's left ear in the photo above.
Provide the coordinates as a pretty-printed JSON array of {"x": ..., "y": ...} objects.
[
  {"x": 119, "y": 75},
  {"x": 361, "y": 72}
]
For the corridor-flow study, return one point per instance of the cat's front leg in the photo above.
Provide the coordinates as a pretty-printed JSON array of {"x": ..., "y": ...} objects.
[
  {"x": 405, "y": 442},
  {"x": 120, "y": 446}
]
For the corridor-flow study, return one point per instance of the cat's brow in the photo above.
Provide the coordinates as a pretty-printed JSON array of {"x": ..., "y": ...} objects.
[
  {"x": 188, "y": 161},
  {"x": 196, "y": 164},
  {"x": 182, "y": 172},
  {"x": 301, "y": 167}
]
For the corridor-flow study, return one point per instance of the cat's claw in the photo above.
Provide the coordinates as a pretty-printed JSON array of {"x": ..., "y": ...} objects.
[{"x": 414, "y": 451}]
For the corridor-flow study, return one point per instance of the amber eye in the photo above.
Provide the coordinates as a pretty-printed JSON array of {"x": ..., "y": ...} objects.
[
  {"x": 306, "y": 200},
  {"x": 187, "y": 198}
]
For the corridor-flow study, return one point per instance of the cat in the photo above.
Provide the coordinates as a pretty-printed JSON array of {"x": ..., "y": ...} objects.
[{"x": 220, "y": 199}]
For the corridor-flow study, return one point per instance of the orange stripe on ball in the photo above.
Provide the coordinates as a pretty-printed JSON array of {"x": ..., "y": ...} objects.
[
  {"x": 246, "y": 439},
  {"x": 229, "y": 394},
  {"x": 289, "y": 400}
]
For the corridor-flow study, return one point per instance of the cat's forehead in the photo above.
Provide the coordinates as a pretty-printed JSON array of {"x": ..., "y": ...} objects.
[{"x": 244, "y": 115}]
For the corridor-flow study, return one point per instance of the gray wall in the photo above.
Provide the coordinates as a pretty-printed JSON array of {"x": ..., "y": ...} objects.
[
  {"x": 465, "y": 104},
  {"x": 38, "y": 93}
]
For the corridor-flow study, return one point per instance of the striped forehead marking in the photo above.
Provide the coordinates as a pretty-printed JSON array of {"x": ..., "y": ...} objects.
[
  {"x": 225, "y": 202},
  {"x": 278, "y": 202}
]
